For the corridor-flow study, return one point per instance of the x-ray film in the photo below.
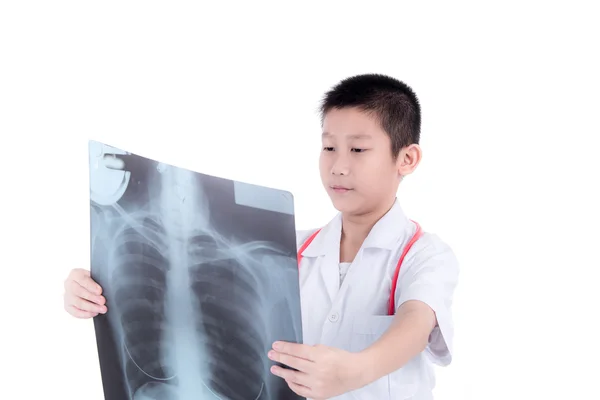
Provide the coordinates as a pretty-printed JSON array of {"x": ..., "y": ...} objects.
[{"x": 200, "y": 278}]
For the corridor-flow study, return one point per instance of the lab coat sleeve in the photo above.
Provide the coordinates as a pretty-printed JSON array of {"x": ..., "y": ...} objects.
[{"x": 430, "y": 274}]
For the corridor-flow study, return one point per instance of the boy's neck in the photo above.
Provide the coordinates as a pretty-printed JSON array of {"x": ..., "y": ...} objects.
[{"x": 356, "y": 228}]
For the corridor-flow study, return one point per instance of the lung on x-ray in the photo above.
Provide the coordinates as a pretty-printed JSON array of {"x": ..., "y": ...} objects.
[{"x": 200, "y": 277}]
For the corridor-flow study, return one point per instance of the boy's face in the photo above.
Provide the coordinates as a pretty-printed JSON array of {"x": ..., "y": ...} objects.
[{"x": 357, "y": 168}]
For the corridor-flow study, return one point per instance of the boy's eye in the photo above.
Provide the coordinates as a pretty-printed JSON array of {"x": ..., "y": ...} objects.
[
  {"x": 358, "y": 150},
  {"x": 328, "y": 148}
]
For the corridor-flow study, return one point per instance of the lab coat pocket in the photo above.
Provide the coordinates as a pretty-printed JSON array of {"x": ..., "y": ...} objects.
[{"x": 399, "y": 385}]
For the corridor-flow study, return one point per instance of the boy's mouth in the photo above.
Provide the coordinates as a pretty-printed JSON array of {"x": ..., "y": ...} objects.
[{"x": 340, "y": 189}]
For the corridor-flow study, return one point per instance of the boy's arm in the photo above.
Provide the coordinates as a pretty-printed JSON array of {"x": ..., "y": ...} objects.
[
  {"x": 407, "y": 337},
  {"x": 423, "y": 321}
]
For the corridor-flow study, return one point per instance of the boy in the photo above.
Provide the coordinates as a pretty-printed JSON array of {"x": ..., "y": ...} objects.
[{"x": 370, "y": 332}]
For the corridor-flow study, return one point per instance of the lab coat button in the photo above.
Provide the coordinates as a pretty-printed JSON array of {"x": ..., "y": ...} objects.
[{"x": 334, "y": 317}]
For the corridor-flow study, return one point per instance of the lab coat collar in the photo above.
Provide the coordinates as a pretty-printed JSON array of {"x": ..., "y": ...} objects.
[
  {"x": 385, "y": 234},
  {"x": 328, "y": 237},
  {"x": 390, "y": 230}
]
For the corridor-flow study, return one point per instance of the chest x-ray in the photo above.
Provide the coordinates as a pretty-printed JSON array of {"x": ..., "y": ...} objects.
[{"x": 200, "y": 278}]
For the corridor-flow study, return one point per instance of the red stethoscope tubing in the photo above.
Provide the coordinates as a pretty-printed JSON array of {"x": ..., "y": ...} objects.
[{"x": 391, "y": 301}]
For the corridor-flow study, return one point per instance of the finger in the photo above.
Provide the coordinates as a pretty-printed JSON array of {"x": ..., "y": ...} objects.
[
  {"x": 298, "y": 377},
  {"x": 78, "y": 273},
  {"x": 83, "y": 277},
  {"x": 88, "y": 283},
  {"x": 294, "y": 349},
  {"x": 80, "y": 291},
  {"x": 76, "y": 312},
  {"x": 83, "y": 304},
  {"x": 299, "y": 389},
  {"x": 291, "y": 361}
]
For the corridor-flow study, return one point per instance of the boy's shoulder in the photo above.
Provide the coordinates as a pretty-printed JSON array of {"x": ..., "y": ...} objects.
[
  {"x": 430, "y": 247},
  {"x": 431, "y": 241}
]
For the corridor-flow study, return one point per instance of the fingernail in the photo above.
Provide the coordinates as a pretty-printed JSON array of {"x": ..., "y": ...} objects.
[
  {"x": 271, "y": 354},
  {"x": 277, "y": 345}
]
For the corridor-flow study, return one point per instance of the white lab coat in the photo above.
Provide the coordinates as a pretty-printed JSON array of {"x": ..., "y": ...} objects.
[{"x": 353, "y": 315}]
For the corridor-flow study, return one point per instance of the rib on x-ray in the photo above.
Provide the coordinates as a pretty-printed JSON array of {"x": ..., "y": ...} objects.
[{"x": 200, "y": 278}]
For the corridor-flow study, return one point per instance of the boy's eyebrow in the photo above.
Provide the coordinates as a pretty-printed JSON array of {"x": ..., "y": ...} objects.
[{"x": 354, "y": 136}]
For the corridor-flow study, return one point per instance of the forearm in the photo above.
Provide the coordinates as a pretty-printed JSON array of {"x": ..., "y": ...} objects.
[{"x": 406, "y": 338}]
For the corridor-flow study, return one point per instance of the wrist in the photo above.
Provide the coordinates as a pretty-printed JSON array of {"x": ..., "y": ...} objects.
[{"x": 365, "y": 371}]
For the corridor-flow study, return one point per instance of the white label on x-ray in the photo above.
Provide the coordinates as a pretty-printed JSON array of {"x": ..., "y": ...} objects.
[{"x": 264, "y": 198}]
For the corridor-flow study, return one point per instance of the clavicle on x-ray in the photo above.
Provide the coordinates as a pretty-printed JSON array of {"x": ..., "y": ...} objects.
[{"x": 200, "y": 278}]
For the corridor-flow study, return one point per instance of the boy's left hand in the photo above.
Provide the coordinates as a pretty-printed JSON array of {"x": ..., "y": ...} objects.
[{"x": 322, "y": 371}]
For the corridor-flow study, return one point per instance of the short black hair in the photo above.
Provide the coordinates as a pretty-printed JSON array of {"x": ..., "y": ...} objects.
[{"x": 391, "y": 101}]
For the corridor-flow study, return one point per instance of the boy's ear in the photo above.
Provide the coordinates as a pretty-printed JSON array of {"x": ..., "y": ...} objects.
[{"x": 409, "y": 159}]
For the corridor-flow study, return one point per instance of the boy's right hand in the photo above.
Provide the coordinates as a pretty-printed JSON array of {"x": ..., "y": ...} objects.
[{"x": 83, "y": 296}]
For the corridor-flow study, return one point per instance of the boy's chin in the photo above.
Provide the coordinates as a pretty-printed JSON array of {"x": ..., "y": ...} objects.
[{"x": 345, "y": 206}]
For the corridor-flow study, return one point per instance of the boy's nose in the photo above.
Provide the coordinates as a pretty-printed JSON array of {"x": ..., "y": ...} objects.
[
  {"x": 340, "y": 171},
  {"x": 340, "y": 167}
]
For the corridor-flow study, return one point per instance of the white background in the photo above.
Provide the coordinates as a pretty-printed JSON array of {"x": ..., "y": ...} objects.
[{"x": 510, "y": 175}]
